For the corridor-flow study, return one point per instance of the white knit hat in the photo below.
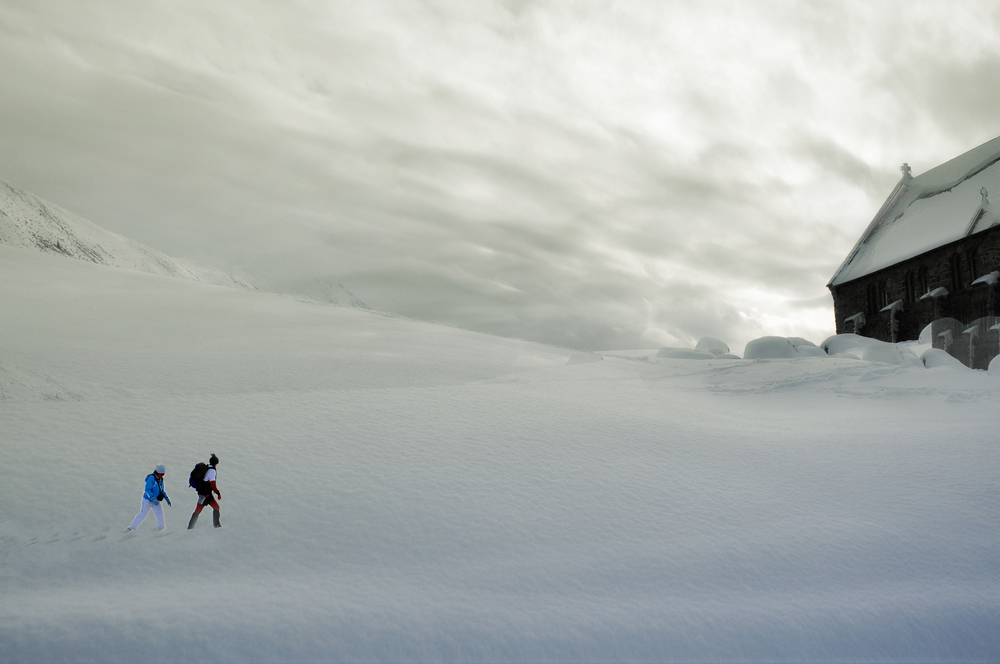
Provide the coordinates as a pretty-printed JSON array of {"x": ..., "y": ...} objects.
[{"x": 161, "y": 470}]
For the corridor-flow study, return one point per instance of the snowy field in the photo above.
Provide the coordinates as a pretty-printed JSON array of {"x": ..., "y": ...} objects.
[{"x": 400, "y": 491}]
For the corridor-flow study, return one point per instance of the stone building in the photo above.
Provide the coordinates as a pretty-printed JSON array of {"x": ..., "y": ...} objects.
[{"x": 931, "y": 254}]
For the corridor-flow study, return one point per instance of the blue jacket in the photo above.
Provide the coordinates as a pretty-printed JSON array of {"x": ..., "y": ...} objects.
[{"x": 154, "y": 487}]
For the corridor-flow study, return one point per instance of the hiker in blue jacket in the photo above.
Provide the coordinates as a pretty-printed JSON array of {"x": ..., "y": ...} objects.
[{"x": 151, "y": 498}]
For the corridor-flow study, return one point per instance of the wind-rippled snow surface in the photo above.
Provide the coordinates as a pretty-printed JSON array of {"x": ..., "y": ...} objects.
[{"x": 400, "y": 491}]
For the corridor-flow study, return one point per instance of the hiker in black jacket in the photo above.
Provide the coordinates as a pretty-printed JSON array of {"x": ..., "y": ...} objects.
[{"x": 206, "y": 487}]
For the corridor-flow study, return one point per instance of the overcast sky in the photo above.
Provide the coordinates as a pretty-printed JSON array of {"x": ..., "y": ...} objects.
[{"x": 593, "y": 174}]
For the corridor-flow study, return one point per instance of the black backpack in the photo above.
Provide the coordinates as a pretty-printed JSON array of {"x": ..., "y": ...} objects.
[{"x": 197, "y": 479}]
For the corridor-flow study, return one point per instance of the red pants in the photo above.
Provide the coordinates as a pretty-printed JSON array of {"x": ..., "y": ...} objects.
[{"x": 206, "y": 500}]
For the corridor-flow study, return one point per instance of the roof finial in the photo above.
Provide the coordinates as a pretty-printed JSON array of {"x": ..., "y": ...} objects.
[
  {"x": 905, "y": 169},
  {"x": 986, "y": 200}
]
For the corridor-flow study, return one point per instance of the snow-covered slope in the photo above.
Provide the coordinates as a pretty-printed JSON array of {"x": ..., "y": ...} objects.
[
  {"x": 394, "y": 491},
  {"x": 28, "y": 221},
  {"x": 325, "y": 290}
]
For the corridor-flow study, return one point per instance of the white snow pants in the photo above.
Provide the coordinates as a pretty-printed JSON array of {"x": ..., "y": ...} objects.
[{"x": 146, "y": 506}]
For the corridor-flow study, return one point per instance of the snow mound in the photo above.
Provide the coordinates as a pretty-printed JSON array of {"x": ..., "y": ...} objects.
[
  {"x": 846, "y": 343},
  {"x": 856, "y": 347},
  {"x": 583, "y": 357},
  {"x": 769, "y": 348},
  {"x": 776, "y": 348},
  {"x": 708, "y": 348},
  {"x": 712, "y": 345},
  {"x": 927, "y": 334},
  {"x": 29, "y": 222},
  {"x": 941, "y": 327},
  {"x": 684, "y": 354},
  {"x": 887, "y": 353},
  {"x": 933, "y": 358},
  {"x": 994, "y": 368}
]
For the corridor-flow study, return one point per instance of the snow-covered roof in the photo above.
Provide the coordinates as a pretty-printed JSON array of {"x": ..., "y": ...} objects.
[{"x": 944, "y": 204}]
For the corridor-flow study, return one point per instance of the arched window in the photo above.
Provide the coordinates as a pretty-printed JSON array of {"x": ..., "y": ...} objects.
[
  {"x": 922, "y": 283},
  {"x": 956, "y": 273}
]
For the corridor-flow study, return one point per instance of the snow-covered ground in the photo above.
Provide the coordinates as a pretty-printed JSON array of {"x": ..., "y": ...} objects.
[{"x": 400, "y": 491}]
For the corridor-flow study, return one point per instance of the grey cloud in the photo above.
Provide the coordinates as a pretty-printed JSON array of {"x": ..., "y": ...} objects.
[
  {"x": 846, "y": 166},
  {"x": 960, "y": 97},
  {"x": 587, "y": 174},
  {"x": 822, "y": 302}
]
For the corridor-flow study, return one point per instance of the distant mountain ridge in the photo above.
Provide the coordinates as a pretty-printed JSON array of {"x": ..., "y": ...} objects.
[
  {"x": 327, "y": 291},
  {"x": 29, "y": 222}
]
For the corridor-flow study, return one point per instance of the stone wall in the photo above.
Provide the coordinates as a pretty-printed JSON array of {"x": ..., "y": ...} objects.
[{"x": 952, "y": 266}]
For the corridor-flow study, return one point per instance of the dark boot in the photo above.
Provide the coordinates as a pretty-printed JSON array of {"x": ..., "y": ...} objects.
[
  {"x": 194, "y": 520},
  {"x": 215, "y": 518}
]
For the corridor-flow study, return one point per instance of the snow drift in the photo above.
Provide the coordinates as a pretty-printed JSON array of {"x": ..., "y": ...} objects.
[
  {"x": 400, "y": 491},
  {"x": 781, "y": 348},
  {"x": 707, "y": 348}
]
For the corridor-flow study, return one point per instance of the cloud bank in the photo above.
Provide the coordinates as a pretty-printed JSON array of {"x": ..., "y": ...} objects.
[{"x": 581, "y": 173}]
